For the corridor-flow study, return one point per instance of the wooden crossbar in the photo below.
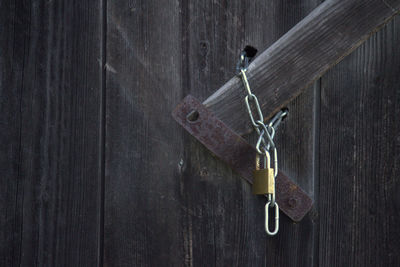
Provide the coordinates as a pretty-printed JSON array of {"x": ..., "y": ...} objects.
[{"x": 322, "y": 39}]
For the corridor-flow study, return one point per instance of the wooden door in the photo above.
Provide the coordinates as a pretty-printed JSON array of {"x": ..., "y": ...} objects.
[{"x": 95, "y": 172}]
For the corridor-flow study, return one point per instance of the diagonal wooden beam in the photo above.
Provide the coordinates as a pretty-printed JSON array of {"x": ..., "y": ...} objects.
[{"x": 322, "y": 39}]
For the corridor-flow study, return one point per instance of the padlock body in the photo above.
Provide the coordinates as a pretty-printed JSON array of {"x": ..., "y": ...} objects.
[
  {"x": 263, "y": 182},
  {"x": 271, "y": 182}
]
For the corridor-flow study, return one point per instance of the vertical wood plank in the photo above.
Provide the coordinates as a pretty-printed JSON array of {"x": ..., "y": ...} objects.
[
  {"x": 360, "y": 148},
  {"x": 49, "y": 137},
  {"x": 226, "y": 234},
  {"x": 296, "y": 140},
  {"x": 143, "y": 206}
]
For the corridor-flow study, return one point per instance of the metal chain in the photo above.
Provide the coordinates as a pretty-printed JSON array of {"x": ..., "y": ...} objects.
[{"x": 266, "y": 132}]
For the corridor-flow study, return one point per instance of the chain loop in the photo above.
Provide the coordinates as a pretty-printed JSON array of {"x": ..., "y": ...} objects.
[
  {"x": 262, "y": 140},
  {"x": 276, "y": 229},
  {"x": 266, "y": 134},
  {"x": 246, "y": 82},
  {"x": 254, "y": 99}
]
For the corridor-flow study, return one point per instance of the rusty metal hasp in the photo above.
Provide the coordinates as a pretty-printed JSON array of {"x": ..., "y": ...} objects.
[{"x": 237, "y": 153}]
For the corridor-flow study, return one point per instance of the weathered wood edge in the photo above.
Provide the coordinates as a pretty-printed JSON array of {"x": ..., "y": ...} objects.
[{"x": 301, "y": 56}]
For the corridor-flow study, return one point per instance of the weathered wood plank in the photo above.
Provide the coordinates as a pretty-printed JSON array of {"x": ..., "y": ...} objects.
[
  {"x": 297, "y": 59},
  {"x": 49, "y": 133},
  {"x": 226, "y": 234},
  {"x": 296, "y": 243},
  {"x": 296, "y": 139},
  {"x": 360, "y": 163},
  {"x": 143, "y": 205},
  {"x": 162, "y": 186}
]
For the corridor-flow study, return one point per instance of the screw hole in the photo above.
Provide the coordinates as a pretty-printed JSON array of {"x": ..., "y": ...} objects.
[{"x": 193, "y": 116}]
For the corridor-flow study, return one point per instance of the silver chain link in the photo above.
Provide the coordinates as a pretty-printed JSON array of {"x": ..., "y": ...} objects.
[{"x": 266, "y": 132}]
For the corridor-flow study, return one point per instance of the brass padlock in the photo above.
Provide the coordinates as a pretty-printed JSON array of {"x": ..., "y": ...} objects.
[{"x": 264, "y": 179}]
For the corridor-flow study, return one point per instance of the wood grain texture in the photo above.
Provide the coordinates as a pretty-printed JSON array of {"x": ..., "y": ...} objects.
[
  {"x": 360, "y": 156},
  {"x": 49, "y": 133},
  {"x": 162, "y": 186},
  {"x": 295, "y": 244},
  {"x": 302, "y": 55},
  {"x": 143, "y": 222},
  {"x": 226, "y": 234},
  {"x": 167, "y": 201}
]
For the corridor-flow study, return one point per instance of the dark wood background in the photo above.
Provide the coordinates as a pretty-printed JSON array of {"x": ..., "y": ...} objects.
[{"x": 95, "y": 172}]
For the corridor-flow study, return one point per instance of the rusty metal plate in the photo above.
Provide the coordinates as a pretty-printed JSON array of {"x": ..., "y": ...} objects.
[{"x": 237, "y": 153}]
